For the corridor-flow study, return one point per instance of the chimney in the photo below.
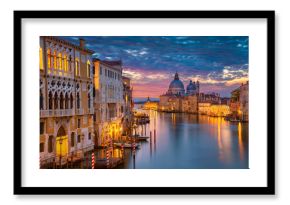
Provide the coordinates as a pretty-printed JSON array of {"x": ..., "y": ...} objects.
[{"x": 82, "y": 43}]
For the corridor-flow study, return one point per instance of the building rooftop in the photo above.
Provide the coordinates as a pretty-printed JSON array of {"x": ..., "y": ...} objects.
[{"x": 65, "y": 42}]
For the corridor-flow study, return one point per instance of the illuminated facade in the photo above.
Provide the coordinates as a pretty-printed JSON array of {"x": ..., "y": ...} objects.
[
  {"x": 128, "y": 104},
  {"x": 239, "y": 104},
  {"x": 108, "y": 101},
  {"x": 212, "y": 104},
  {"x": 176, "y": 100},
  {"x": 244, "y": 101},
  {"x": 66, "y": 106},
  {"x": 204, "y": 108},
  {"x": 213, "y": 98},
  {"x": 150, "y": 105}
]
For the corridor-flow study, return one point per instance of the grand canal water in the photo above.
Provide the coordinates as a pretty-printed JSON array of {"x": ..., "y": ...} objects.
[{"x": 187, "y": 141}]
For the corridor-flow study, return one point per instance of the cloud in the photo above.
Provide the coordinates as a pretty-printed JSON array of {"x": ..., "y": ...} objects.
[
  {"x": 137, "y": 53},
  {"x": 217, "y": 61},
  {"x": 144, "y": 77},
  {"x": 230, "y": 75},
  {"x": 133, "y": 75}
]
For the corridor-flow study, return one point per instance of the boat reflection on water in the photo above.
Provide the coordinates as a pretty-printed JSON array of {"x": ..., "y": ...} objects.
[{"x": 187, "y": 141}]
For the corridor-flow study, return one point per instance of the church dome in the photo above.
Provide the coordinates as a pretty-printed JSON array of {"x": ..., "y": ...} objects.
[
  {"x": 191, "y": 86},
  {"x": 176, "y": 87}
]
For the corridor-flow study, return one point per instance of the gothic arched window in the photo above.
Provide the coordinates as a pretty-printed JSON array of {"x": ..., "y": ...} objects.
[
  {"x": 40, "y": 59},
  {"x": 49, "y": 101},
  {"x": 89, "y": 101},
  {"x": 88, "y": 69},
  {"x": 71, "y": 101},
  {"x": 61, "y": 101},
  {"x": 72, "y": 139},
  {"x": 59, "y": 61},
  {"x": 55, "y": 101},
  {"x": 78, "y": 101},
  {"x": 77, "y": 67},
  {"x": 48, "y": 58},
  {"x": 66, "y": 101},
  {"x": 54, "y": 60},
  {"x": 64, "y": 63},
  {"x": 41, "y": 100}
]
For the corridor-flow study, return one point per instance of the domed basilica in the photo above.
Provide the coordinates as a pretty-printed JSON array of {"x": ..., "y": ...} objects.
[
  {"x": 176, "y": 87},
  {"x": 176, "y": 99}
]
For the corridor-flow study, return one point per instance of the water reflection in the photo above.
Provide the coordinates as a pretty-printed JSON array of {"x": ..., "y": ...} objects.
[{"x": 181, "y": 141}]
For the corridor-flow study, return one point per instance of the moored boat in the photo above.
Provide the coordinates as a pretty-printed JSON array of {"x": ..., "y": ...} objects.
[{"x": 126, "y": 145}]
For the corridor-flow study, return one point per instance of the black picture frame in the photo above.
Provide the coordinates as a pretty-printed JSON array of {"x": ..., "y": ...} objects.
[{"x": 268, "y": 190}]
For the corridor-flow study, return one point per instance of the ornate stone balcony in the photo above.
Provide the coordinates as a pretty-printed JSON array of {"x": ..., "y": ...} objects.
[
  {"x": 91, "y": 110},
  {"x": 60, "y": 73},
  {"x": 56, "y": 113},
  {"x": 80, "y": 111}
]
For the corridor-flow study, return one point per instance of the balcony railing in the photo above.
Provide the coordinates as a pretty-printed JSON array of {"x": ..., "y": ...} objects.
[
  {"x": 80, "y": 111},
  {"x": 56, "y": 113},
  {"x": 57, "y": 72},
  {"x": 91, "y": 110}
]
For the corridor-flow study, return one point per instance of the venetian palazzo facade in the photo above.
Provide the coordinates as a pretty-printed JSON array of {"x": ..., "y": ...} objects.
[
  {"x": 66, "y": 99},
  {"x": 109, "y": 102},
  {"x": 212, "y": 104},
  {"x": 239, "y": 103},
  {"x": 177, "y": 99},
  {"x": 128, "y": 105}
]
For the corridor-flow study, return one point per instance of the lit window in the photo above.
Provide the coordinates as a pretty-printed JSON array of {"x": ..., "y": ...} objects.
[
  {"x": 88, "y": 69},
  {"x": 54, "y": 60},
  {"x": 65, "y": 63},
  {"x": 59, "y": 61},
  {"x": 77, "y": 67},
  {"x": 40, "y": 59},
  {"x": 48, "y": 59}
]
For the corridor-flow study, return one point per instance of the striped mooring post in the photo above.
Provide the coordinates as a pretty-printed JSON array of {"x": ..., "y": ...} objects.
[
  {"x": 108, "y": 159},
  {"x": 93, "y": 160},
  {"x": 134, "y": 146}
]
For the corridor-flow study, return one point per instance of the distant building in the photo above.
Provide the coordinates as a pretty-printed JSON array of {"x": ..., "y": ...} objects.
[
  {"x": 239, "y": 105},
  {"x": 192, "y": 101},
  {"x": 189, "y": 104},
  {"x": 204, "y": 108},
  {"x": 108, "y": 100},
  {"x": 66, "y": 105},
  {"x": 177, "y": 100},
  {"x": 150, "y": 105},
  {"x": 192, "y": 88},
  {"x": 225, "y": 101},
  {"x": 176, "y": 87},
  {"x": 213, "y": 98},
  {"x": 128, "y": 104},
  {"x": 244, "y": 101},
  {"x": 235, "y": 104}
]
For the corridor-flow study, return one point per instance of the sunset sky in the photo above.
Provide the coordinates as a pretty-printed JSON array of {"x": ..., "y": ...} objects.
[{"x": 220, "y": 63}]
